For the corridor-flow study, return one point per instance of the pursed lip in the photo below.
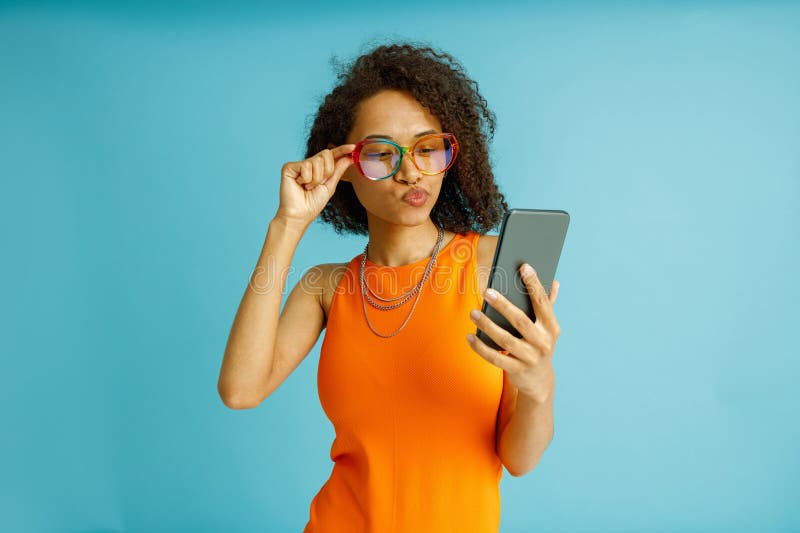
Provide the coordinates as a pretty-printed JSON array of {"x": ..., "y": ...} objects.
[{"x": 421, "y": 193}]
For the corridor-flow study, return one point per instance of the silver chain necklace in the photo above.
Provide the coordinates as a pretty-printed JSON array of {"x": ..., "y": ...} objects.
[{"x": 366, "y": 291}]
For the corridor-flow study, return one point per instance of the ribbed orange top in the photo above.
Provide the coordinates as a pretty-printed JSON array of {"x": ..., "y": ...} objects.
[{"x": 414, "y": 414}]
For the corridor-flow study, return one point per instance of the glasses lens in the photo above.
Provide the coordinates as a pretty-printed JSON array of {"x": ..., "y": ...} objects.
[
  {"x": 378, "y": 159},
  {"x": 433, "y": 154}
]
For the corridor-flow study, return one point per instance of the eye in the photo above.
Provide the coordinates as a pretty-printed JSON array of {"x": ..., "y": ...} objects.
[{"x": 377, "y": 155}]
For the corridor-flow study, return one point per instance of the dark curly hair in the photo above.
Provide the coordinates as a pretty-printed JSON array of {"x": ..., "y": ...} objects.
[{"x": 469, "y": 199}]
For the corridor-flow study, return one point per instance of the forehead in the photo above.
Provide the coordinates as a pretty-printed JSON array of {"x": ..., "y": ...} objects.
[{"x": 391, "y": 112}]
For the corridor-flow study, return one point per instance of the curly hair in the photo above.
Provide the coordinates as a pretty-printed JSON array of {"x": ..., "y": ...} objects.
[{"x": 469, "y": 199}]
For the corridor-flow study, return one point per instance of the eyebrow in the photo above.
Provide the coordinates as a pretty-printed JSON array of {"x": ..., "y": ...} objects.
[{"x": 383, "y": 136}]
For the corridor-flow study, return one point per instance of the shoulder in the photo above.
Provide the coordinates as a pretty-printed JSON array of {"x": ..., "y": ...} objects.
[
  {"x": 487, "y": 244},
  {"x": 324, "y": 278}
]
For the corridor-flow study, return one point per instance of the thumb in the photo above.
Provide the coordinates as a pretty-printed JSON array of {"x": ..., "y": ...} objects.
[
  {"x": 338, "y": 169},
  {"x": 341, "y": 150}
]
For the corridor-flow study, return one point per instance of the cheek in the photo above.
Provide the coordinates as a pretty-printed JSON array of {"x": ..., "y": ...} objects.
[
  {"x": 436, "y": 191},
  {"x": 374, "y": 196}
]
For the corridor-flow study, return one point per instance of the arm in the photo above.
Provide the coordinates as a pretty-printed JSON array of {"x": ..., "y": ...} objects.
[
  {"x": 527, "y": 434},
  {"x": 264, "y": 344},
  {"x": 524, "y": 424},
  {"x": 249, "y": 354}
]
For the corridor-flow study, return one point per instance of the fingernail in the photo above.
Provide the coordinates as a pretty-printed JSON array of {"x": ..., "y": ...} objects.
[
  {"x": 490, "y": 294},
  {"x": 527, "y": 269}
]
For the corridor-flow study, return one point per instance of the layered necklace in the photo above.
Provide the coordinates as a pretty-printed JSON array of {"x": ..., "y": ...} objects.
[{"x": 417, "y": 289}]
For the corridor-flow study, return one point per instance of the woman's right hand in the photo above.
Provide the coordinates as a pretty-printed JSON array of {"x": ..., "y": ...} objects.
[{"x": 306, "y": 186}]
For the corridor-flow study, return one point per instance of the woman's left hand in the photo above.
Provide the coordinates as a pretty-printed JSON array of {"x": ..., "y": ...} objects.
[{"x": 527, "y": 360}]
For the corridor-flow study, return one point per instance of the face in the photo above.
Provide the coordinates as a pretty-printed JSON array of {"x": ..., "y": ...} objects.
[{"x": 402, "y": 118}]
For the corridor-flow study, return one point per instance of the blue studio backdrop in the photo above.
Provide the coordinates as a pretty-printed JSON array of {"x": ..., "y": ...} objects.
[{"x": 141, "y": 146}]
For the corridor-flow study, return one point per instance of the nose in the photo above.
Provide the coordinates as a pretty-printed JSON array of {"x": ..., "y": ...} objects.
[{"x": 408, "y": 173}]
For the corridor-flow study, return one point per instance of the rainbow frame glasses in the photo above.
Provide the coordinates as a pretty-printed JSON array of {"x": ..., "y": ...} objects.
[{"x": 378, "y": 159}]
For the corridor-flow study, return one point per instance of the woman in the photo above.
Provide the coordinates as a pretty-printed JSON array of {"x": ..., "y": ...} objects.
[{"x": 425, "y": 417}]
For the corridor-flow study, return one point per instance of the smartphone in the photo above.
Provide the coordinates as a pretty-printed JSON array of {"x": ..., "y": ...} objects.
[{"x": 534, "y": 236}]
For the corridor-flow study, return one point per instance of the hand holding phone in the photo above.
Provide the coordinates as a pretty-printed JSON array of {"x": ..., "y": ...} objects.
[{"x": 534, "y": 236}]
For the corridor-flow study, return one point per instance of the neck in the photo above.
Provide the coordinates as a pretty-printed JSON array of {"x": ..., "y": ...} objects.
[{"x": 394, "y": 245}]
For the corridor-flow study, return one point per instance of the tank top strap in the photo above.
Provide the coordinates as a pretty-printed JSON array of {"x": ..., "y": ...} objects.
[{"x": 458, "y": 264}]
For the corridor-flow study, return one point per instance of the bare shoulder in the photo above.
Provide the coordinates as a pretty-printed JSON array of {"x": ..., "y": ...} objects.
[
  {"x": 487, "y": 244},
  {"x": 327, "y": 277},
  {"x": 486, "y": 247},
  {"x": 302, "y": 319}
]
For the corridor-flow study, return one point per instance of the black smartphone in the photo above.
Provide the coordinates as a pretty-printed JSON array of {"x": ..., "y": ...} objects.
[{"x": 534, "y": 236}]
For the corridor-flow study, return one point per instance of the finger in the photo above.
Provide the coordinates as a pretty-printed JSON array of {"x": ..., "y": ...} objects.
[
  {"x": 327, "y": 156},
  {"x": 306, "y": 171},
  {"x": 541, "y": 305},
  {"x": 318, "y": 164},
  {"x": 344, "y": 149},
  {"x": 339, "y": 169},
  {"x": 554, "y": 292},
  {"x": 500, "y": 336},
  {"x": 291, "y": 170},
  {"x": 506, "y": 362},
  {"x": 515, "y": 316}
]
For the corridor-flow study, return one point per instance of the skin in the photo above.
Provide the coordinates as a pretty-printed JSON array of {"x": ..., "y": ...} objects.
[
  {"x": 267, "y": 344},
  {"x": 525, "y": 425},
  {"x": 400, "y": 234}
]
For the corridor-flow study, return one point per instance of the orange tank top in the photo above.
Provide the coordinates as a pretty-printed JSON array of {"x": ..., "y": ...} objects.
[{"x": 414, "y": 414}]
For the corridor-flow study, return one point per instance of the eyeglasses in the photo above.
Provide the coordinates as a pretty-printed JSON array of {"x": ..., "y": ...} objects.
[{"x": 378, "y": 159}]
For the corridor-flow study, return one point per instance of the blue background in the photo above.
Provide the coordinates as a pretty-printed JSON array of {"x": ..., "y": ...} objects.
[{"x": 141, "y": 148}]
